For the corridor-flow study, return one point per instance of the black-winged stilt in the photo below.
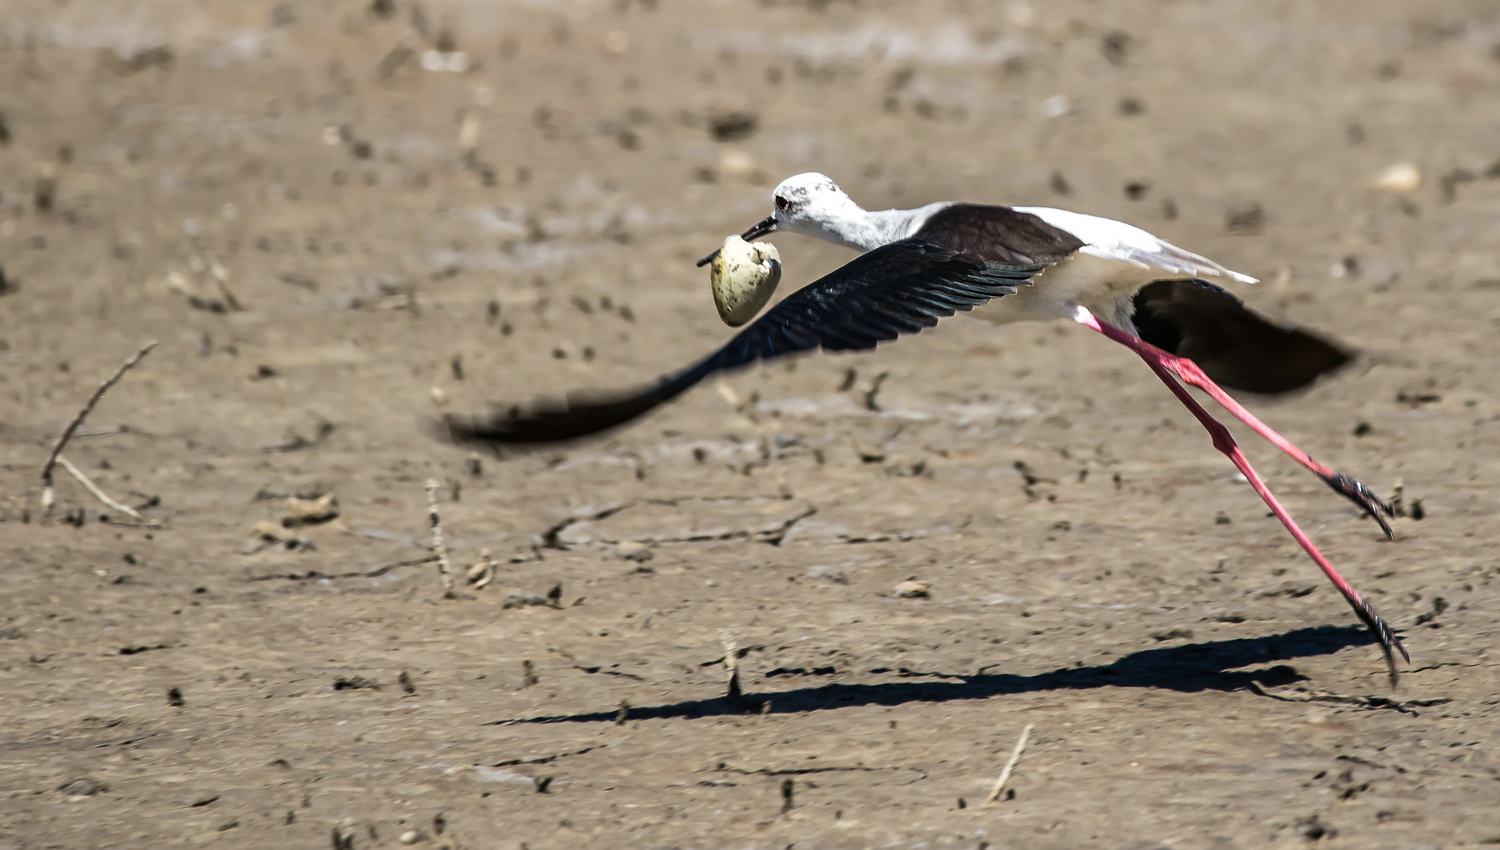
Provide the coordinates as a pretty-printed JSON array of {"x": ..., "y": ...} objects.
[{"x": 1005, "y": 264}]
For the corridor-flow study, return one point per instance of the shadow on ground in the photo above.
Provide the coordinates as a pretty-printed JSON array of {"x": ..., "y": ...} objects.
[{"x": 1189, "y": 667}]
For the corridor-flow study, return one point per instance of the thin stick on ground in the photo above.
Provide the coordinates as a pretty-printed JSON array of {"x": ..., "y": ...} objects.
[
  {"x": 439, "y": 548},
  {"x": 99, "y": 494},
  {"x": 220, "y": 275},
  {"x": 731, "y": 663},
  {"x": 1010, "y": 766},
  {"x": 483, "y": 571},
  {"x": 67, "y": 433}
]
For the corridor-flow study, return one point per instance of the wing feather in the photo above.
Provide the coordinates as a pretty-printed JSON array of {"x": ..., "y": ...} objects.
[{"x": 900, "y": 288}]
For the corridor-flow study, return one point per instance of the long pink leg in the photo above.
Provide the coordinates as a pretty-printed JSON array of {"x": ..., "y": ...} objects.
[
  {"x": 1190, "y": 373},
  {"x": 1167, "y": 366}
]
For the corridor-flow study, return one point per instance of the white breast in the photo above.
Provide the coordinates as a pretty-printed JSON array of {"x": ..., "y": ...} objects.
[{"x": 1083, "y": 279}]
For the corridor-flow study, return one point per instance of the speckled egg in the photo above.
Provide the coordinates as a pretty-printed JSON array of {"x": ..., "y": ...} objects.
[{"x": 744, "y": 277}]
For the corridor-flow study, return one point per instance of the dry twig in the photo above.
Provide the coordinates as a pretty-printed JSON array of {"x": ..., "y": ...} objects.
[
  {"x": 731, "y": 664},
  {"x": 67, "y": 433},
  {"x": 220, "y": 276},
  {"x": 1010, "y": 766},
  {"x": 870, "y": 395},
  {"x": 482, "y": 572},
  {"x": 77, "y": 473},
  {"x": 445, "y": 567}
]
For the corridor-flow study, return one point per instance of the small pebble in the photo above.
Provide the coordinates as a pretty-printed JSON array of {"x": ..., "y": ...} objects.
[
  {"x": 1401, "y": 177},
  {"x": 828, "y": 574},
  {"x": 736, "y": 165},
  {"x": 1055, "y": 106},
  {"x": 912, "y": 589},
  {"x": 300, "y": 512},
  {"x": 633, "y": 550}
]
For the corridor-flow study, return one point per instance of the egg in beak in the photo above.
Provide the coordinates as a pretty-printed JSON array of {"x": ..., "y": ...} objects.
[
  {"x": 743, "y": 277},
  {"x": 761, "y": 228}
]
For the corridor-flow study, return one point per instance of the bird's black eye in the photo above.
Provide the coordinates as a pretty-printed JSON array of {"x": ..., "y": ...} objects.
[{"x": 782, "y": 204}]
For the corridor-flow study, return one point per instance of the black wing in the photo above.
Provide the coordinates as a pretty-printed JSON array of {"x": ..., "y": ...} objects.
[
  {"x": 1237, "y": 347},
  {"x": 896, "y": 289}
]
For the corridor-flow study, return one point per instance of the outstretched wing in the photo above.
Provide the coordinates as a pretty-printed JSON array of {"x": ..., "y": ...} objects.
[{"x": 900, "y": 288}]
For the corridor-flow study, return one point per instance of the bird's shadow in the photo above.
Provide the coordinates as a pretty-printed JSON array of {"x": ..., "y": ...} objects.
[{"x": 1205, "y": 666}]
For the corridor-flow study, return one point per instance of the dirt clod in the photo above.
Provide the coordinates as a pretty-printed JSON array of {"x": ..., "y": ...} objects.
[
  {"x": 83, "y": 786},
  {"x": 353, "y": 683}
]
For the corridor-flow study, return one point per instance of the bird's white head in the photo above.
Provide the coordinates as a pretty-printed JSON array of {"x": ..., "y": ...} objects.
[
  {"x": 809, "y": 203},
  {"x": 813, "y": 205}
]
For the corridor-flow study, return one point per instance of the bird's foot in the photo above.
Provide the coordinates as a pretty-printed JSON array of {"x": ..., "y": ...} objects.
[
  {"x": 1390, "y": 642},
  {"x": 1359, "y": 494}
]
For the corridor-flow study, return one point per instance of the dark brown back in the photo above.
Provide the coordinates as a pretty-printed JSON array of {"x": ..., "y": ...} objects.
[{"x": 998, "y": 234}]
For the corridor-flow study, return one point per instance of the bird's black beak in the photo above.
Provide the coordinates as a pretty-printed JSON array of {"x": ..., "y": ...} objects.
[{"x": 761, "y": 228}]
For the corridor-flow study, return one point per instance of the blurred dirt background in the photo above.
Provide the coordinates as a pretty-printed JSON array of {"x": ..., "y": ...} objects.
[{"x": 340, "y": 216}]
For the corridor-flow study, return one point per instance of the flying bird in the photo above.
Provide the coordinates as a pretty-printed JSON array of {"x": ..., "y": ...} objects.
[{"x": 1002, "y": 264}]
